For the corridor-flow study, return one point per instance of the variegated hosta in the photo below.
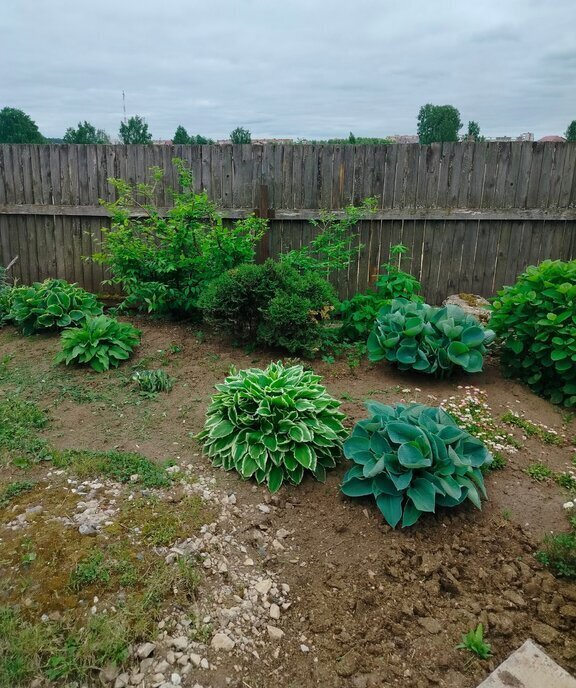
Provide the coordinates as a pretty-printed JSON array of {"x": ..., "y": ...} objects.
[
  {"x": 412, "y": 459},
  {"x": 274, "y": 425}
]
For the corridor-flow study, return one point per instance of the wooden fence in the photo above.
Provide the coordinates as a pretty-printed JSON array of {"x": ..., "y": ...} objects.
[{"x": 474, "y": 215}]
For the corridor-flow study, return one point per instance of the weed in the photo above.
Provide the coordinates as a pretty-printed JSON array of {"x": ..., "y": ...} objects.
[
  {"x": 566, "y": 480},
  {"x": 345, "y": 396},
  {"x": 89, "y": 571},
  {"x": 558, "y": 553},
  {"x": 539, "y": 472},
  {"x": 473, "y": 641},
  {"x": 176, "y": 348},
  {"x": 13, "y": 490},
  {"x": 20, "y": 425},
  {"x": 120, "y": 466},
  {"x": 151, "y": 382},
  {"x": 538, "y": 430},
  {"x": 506, "y": 514}
]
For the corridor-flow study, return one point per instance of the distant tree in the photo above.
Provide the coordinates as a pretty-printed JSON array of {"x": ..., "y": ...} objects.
[
  {"x": 438, "y": 123},
  {"x": 473, "y": 133},
  {"x": 85, "y": 133},
  {"x": 351, "y": 138},
  {"x": 18, "y": 127},
  {"x": 181, "y": 137},
  {"x": 202, "y": 140},
  {"x": 135, "y": 130},
  {"x": 571, "y": 131},
  {"x": 241, "y": 135}
]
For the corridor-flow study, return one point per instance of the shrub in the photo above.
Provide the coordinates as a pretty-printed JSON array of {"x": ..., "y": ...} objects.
[
  {"x": 429, "y": 339},
  {"x": 270, "y": 304},
  {"x": 413, "y": 459},
  {"x": 6, "y": 295},
  {"x": 163, "y": 263},
  {"x": 359, "y": 313},
  {"x": 99, "y": 342},
  {"x": 52, "y": 304},
  {"x": 273, "y": 425},
  {"x": 153, "y": 381},
  {"x": 536, "y": 322}
]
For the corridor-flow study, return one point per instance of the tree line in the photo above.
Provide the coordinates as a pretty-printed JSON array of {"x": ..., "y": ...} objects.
[{"x": 435, "y": 124}]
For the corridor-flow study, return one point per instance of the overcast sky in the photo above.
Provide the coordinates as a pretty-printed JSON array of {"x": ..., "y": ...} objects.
[{"x": 290, "y": 68}]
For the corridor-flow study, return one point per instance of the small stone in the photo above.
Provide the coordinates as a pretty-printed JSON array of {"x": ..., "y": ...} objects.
[
  {"x": 176, "y": 679},
  {"x": 263, "y": 586},
  {"x": 304, "y": 648},
  {"x": 180, "y": 643},
  {"x": 195, "y": 659},
  {"x": 222, "y": 642},
  {"x": 275, "y": 633},
  {"x": 430, "y": 624},
  {"x": 277, "y": 545},
  {"x": 274, "y": 611},
  {"x": 204, "y": 663},
  {"x": 122, "y": 681},
  {"x": 282, "y": 533},
  {"x": 109, "y": 673},
  {"x": 248, "y": 562},
  {"x": 264, "y": 508},
  {"x": 145, "y": 650},
  {"x": 87, "y": 529}
]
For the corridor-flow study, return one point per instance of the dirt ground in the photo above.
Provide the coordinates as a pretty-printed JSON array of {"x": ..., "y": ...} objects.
[{"x": 372, "y": 606}]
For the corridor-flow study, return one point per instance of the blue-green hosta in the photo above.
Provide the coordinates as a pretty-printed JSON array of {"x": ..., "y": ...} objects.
[
  {"x": 101, "y": 342},
  {"x": 417, "y": 336},
  {"x": 413, "y": 459},
  {"x": 52, "y": 304},
  {"x": 274, "y": 425}
]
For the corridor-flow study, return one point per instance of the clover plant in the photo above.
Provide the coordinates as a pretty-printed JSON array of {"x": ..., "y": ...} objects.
[
  {"x": 274, "y": 425},
  {"x": 434, "y": 340},
  {"x": 413, "y": 459}
]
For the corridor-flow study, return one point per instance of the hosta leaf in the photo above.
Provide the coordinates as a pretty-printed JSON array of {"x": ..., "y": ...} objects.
[
  {"x": 275, "y": 479},
  {"x": 223, "y": 428},
  {"x": 305, "y": 456},
  {"x": 391, "y": 508},
  {"x": 410, "y": 515},
  {"x": 411, "y": 456},
  {"x": 357, "y": 488}
]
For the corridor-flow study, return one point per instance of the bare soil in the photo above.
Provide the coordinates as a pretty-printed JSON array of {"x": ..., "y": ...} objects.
[{"x": 372, "y": 606}]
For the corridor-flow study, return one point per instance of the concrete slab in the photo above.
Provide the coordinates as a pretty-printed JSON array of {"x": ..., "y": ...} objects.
[{"x": 529, "y": 667}]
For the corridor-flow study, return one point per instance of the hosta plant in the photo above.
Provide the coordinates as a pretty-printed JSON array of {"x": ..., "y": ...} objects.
[
  {"x": 52, "y": 304},
  {"x": 417, "y": 336},
  {"x": 536, "y": 322},
  {"x": 99, "y": 342},
  {"x": 275, "y": 425},
  {"x": 413, "y": 459}
]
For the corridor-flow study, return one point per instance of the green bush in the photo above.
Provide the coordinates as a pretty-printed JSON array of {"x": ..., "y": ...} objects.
[
  {"x": 273, "y": 425},
  {"x": 359, "y": 313},
  {"x": 163, "y": 263},
  {"x": 412, "y": 459},
  {"x": 270, "y": 304},
  {"x": 52, "y": 304},
  {"x": 100, "y": 342},
  {"x": 535, "y": 321},
  {"x": 428, "y": 339}
]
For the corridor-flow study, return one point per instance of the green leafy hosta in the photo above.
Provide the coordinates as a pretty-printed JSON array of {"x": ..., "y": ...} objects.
[
  {"x": 100, "y": 342},
  {"x": 274, "y": 425},
  {"x": 536, "y": 322},
  {"x": 429, "y": 339},
  {"x": 413, "y": 459},
  {"x": 51, "y": 304}
]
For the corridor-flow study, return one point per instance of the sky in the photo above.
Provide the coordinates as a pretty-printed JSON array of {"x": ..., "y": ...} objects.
[{"x": 290, "y": 68}]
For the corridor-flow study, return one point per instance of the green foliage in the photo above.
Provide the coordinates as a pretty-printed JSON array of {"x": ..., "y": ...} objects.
[
  {"x": 274, "y": 425},
  {"x": 52, "y": 304},
  {"x": 119, "y": 466},
  {"x": 20, "y": 425},
  {"x": 473, "y": 133},
  {"x": 85, "y": 133},
  {"x": 181, "y": 137},
  {"x": 539, "y": 471},
  {"x": 135, "y": 130},
  {"x": 428, "y": 339},
  {"x": 153, "y": 381},
  {"x": 90, "y": 570},
  {"x": 559, "y": 554},
  {"x": 240, "y": 135},
  {"x": 100, "y": 342},
  {"x": 164, "y": 263},
  {"x": 270, "y": 304},
  {"x": 359, "y": 313},
  {"x": 571, "y": 131},
  {"x": 331, "y": 249},
  {"x": 473, "y": 641},
  {"x": 438, "y": 123},
  {"x": 412, "y": 459},
  {"x": 536, "y": 322},
  {"x": 534, "y": 429},
  {"x": 352, "y": 140},
  {"x": 6, "y": 297},
  {"x": 13, "y": 490},
  {"x": 18, "y": 127}
]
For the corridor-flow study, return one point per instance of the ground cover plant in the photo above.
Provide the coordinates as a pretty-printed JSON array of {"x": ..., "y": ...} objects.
[
  {"x": 163, "y": 262},
  {"x": 271, "y": 304},
  {"x": 359, "y": 313},
  {"x": 153, "y": 381},
  {"x": 100, "y": 342},
  {"x": 535, "y": 320},
  {"x": 275, "y": 425},
  {"x": 474, "y": 642},
  {"x": 52, "y": 304},
  {"x": 412, "y": 459},
  {"x": 428, "y": 339}
]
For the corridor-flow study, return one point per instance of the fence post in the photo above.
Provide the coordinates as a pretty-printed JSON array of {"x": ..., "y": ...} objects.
[{"x": 264, "y": 211}]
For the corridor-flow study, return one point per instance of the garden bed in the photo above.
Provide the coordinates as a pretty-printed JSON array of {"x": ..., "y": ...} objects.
[{"x": 362, "y": 605}]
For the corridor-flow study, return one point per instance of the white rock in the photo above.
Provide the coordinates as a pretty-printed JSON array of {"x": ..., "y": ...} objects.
[
  {"x": 180, "y": 643},
  {"x": 145, "y": 650},
  {"x": 87, "y": 529},
  {"x": 282, "y": 533},
  {"x": 304, "y": 648},
  {"x": 122, "y": 681},
  {"x": 176, "y": 679},
  {"x": 222, "y": 642},
  {"x": 204, "y": 663},
  {"x": 195, "y": 659},
  {"x": 274, "y": 611},
  {"x": 263, "y": 586},
  {"x": 278, "y": 546},
  {"x": 275, "y": 633},
  {"x": 248, "y": 562},
  {"x": 264, "y": 508},
  {"x": 568, "y": 505}
]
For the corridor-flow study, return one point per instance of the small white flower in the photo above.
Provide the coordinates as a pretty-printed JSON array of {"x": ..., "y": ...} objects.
[{"x": 568, "y": 505}]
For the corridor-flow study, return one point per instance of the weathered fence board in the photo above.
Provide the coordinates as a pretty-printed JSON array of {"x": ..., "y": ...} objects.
[{"x": 473, "y": 214}]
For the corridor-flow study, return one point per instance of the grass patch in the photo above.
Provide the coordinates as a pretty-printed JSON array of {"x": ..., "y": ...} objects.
[
  {"x": 539, "y": 472},
  {"x": 20, "y": 426},
  {"x": 90, "y": 571},
  {"x": 559, "y": 554},
  {"x": 120, "y": 466},
  {"x": 531, "y": 429},
  {"x": 13, "y": 490}
]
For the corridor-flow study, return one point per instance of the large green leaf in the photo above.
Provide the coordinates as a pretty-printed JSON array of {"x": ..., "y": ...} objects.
[
  {"x": 423, "y": 494},
  {"x": 391, "y": 508}
]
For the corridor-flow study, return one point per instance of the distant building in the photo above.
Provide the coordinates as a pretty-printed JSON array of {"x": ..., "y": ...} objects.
[
  {"x": 223, "y": 142},
  {"x": 404, "y": 138},
  {"x": 555, "y": 139},
  {"x": 527, "y": 136}
]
